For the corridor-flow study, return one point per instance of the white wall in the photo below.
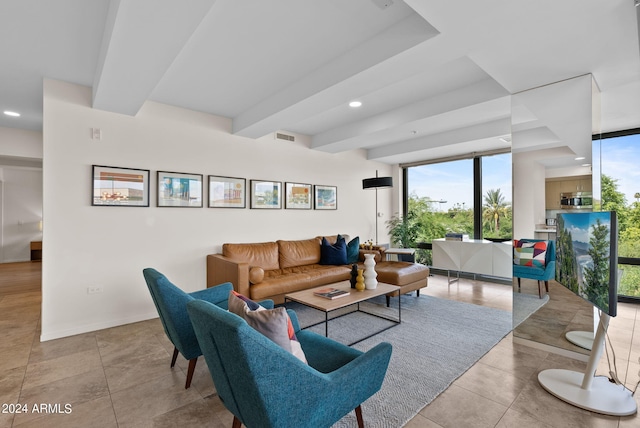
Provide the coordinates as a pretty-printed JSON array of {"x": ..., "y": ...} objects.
[
  {"x": 20, "y": 143},
  {"x": 568, "y": 172},
  {"x": 109, "y": 246},
  {"x": 21, "y": 205},
  {"x": 528, "y": 195},
  {"x": 20, "y": 193}
]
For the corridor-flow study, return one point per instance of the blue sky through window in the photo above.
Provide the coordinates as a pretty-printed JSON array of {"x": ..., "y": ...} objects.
[
  {"x": 453, "y": 181},
  {"x": 620, "y": 157}
]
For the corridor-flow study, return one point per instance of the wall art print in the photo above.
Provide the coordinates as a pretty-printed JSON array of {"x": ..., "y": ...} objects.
[
  {"x": 266, "y": 194},
  {"x": 176, "y": 189},
  {"x": 326, "y": 197},
  {"x": 298, "y": 196},
  {"x": 120, "y": 187},
  {"x": 227, "y": 192}
]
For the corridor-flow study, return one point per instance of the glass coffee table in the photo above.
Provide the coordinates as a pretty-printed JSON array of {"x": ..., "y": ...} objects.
[{"x": 355, "y": 297}]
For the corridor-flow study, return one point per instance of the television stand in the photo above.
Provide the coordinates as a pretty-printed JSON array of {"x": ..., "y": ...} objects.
[
  {"x": 583, "y": 339},
  {"x": 586, "y": 391}
]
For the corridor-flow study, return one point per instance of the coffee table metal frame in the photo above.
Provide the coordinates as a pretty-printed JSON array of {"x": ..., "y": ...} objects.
[{"x": 307, "y": 298}]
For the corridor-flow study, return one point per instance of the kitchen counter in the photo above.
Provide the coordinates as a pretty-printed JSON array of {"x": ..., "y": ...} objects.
[{"x": 545, "y": 233}]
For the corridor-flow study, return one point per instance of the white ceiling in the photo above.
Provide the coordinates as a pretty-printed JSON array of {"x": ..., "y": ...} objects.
[{"x": 435, "y": 77}]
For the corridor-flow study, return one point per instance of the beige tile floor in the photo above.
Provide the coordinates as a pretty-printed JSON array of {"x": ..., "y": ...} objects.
[{"x": 120, "y": 377}]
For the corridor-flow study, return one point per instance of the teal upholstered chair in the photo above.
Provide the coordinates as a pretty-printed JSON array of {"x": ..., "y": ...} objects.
[
  {"x": 540, "y": 274},
  {"x": 264, "y": 385},
  {"x": 171, "y": 303}
]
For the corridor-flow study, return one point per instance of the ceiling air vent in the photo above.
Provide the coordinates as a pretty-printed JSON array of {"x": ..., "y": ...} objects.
[{"x": 286, "y": 137}]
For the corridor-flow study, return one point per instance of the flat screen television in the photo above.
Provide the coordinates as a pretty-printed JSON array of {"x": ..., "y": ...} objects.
[
  {"x": 586, "y": 263},
  {"x": 587, "y": 257}
]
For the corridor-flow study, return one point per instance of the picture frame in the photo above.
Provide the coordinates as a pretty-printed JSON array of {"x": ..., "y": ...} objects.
[
  {"x": 179, "y": 190},
  {"x": 298, "y": 196},
  {"x": 325, "y": 197},
  {"x": 119, "y": 187},
  {"x": 266, "y": 194},
  {"x": 227, "y": 192}
]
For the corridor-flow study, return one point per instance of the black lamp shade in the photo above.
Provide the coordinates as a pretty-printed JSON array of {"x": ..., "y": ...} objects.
[{"x": 377, "y": 182}]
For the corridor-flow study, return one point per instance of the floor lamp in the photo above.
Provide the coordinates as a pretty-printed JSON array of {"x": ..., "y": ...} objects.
[{"x": 377, "y": 183}]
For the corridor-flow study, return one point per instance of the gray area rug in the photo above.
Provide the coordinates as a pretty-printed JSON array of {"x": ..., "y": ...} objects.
[
  {"x": 524, "y": 305},
  {"x": 437, "y": 341}
]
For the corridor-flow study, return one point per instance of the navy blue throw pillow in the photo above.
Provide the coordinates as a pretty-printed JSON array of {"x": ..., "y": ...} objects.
[{"x": 333, "y": 254}]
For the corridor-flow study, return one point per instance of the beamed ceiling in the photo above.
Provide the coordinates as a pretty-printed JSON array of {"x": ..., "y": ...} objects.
[{"x": 434, "y": 77}]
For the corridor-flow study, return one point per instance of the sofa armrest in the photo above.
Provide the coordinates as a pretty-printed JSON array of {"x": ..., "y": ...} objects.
[
  {"x": 379, "y": 254},
  {"x": 222, "y": 269}
]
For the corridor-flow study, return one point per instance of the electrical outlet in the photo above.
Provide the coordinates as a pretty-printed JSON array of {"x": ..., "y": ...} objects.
[{"x": 94, "y": 290}]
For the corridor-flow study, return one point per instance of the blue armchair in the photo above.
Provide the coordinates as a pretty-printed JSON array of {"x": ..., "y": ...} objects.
[
  {"x": 536, "y": 272},
  {"x": 171, "y": 303},
  {"x": 264, "y": 385}
]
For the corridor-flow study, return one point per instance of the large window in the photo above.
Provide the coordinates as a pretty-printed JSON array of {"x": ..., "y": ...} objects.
[
  {"x": 469, "y": 196},
  {"x": 496, "y": 197},
  {"x": 619, "y": 190}
]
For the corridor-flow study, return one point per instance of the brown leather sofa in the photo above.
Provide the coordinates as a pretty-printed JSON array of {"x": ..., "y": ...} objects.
[{"x": 269, "y": 270}]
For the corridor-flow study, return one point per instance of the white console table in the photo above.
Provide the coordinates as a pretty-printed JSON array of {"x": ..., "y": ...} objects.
[{"x": 477, "y": 256}]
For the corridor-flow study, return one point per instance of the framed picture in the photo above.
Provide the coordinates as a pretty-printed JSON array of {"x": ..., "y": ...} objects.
[
  {"x": 266, "y": 194},
  {"x": 227, "y": 192},
  {"x": 177, "y": 189},
  {"x": 121, "y": 187},
  {"x": 298, "y": 196},
  {"x": 326, "y": 197}
]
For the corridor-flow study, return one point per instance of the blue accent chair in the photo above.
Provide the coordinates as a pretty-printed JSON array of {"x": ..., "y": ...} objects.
[
  {"x": 537, "y": 273},
  {"x": 264, "y": 385},
  {"x": 171, "y": 303}
]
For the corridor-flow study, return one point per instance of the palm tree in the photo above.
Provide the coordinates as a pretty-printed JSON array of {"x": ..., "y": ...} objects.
[{"x": 494, "y": 208}]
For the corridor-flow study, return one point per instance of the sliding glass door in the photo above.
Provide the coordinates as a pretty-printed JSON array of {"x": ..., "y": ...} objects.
[
  {"x": 497, "y": 214},
  {"x": 620, "y": 192},
  {"x": 470, "y": 196}
]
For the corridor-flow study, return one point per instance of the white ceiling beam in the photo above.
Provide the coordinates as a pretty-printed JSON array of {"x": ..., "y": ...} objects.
[
  {"x": 284, "y": 106},
  {"x": 141, "y": 40},
  {"x": 495, "y": 128},
  {"x": 358, "y": 134}
]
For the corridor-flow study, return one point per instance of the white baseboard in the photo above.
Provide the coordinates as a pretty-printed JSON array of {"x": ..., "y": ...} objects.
[
  {"x": 88, "y": 328},
  {"x": 552, "y": 349}
]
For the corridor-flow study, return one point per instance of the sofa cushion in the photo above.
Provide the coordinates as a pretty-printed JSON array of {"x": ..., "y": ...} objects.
[
  {"x": 298, "y": 253},
  {"x": 264, "y": 255},
  {"x": 323, "y": 275},
  {"x": 274, "y": 285},
  {"x": 333, "y": 254}
]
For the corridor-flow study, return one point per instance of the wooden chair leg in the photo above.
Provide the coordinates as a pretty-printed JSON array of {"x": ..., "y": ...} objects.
[
  {"x": 546, "y": 286},
  {"x": 236, "y": 423},
  {"x": 540, "y": 289},
  {"x": 518, "y": 284},
  {"x": 359, "y": 417},
  {"x": 192, "y": 367},
  {"x": 175, "y": 356}
]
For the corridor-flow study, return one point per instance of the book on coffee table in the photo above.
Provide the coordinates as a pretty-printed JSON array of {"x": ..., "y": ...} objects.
[{"x": 331, "y": 293}]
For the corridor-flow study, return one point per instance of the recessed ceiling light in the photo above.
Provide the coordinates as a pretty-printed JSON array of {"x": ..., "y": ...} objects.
[
  {"x": 355, "y": 104},
  {"x": 580, "y": 158},
  {"x": 586, "y": 164},
  {"x": 11, "y": 113}
]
